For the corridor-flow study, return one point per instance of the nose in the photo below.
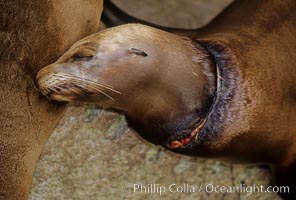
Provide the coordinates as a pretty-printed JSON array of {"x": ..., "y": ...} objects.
[
  {"x": 40, "y": 78},
  {"x": 36, "y": 82}
]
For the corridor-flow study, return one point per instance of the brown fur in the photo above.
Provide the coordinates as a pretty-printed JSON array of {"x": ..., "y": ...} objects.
[
  {"x": 33, "y": 34},
  {"x": 261, "y": 122},
  {"x": 249, "y": 108}
]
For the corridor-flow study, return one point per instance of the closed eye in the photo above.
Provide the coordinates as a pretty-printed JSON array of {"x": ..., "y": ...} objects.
[
  {"x": 83, "y": 53},
  {"x": 81, "y": 57}
]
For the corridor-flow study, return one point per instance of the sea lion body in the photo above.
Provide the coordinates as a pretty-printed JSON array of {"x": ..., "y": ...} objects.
[
  {"x": 229, "y": 92},
  {"x": 33, "y": 33}
]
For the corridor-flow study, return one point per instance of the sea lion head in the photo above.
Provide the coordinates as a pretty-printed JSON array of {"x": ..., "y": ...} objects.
[{"x": 162, "y": 82}]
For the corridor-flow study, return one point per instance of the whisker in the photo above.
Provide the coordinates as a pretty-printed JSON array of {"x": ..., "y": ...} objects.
[
  {"x": 77, "y": 80},
  {"x": 74, "y": 90},
  {"x": 101, "y": 85},
  {"x": 99, "y": 90},
  {"x": 49, "y": 82},
  {"x": 89, "y": 81}
]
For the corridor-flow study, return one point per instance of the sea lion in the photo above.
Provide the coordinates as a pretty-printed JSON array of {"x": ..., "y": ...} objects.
[
  {"x": 155, "y": 84},
  {"x": 229, "y": 92},
  {"x": 33, "y": 34}
]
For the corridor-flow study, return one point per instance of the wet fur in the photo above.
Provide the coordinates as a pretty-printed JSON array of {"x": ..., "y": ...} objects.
[
  {"x": 254, "y": 49},
  {"x": 252, "y": 116}
]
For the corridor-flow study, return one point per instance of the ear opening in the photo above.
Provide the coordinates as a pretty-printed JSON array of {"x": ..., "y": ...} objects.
[{"x": 138, "y": 52}]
